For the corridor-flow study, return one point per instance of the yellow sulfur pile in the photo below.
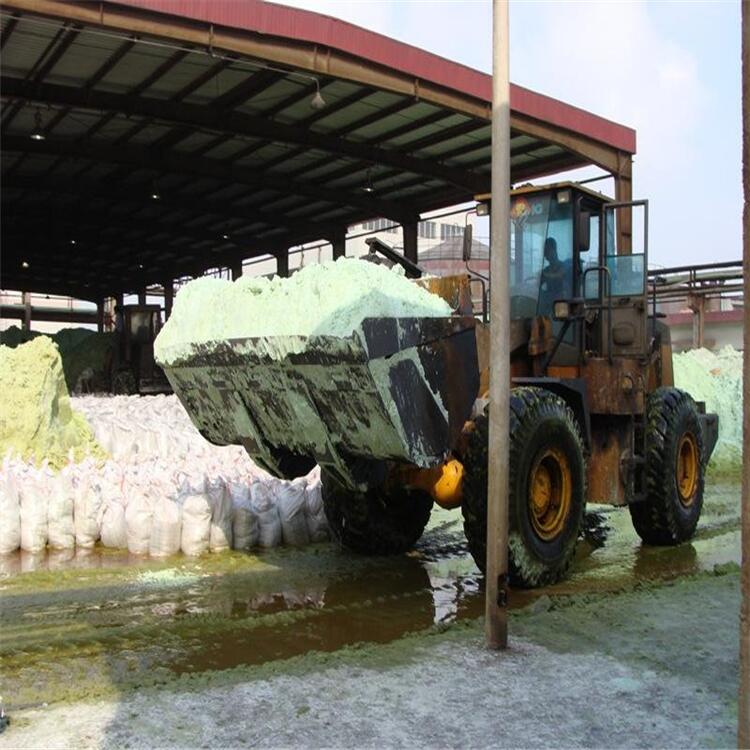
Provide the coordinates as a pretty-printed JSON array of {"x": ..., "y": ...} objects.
[{"x": 36, "y": 419}]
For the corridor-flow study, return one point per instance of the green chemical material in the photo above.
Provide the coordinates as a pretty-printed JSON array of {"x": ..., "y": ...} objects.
[
  {"x": 716, "y": 378},
  {"x": 328, "y": 299},
  {"x": 36, "y": 418}
]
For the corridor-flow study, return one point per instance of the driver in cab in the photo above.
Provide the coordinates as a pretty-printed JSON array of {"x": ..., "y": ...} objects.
[{"x": 553, "y": 274}]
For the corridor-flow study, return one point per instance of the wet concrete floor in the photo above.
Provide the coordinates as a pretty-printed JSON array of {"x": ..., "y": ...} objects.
[{"x": 77, "y": 625}]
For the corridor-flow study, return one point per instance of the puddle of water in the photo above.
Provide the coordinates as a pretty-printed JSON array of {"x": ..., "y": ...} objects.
[{"x": 119, "y": 619}]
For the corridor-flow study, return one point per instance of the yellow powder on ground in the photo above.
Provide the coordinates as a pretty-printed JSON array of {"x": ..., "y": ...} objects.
[{"x": 36, "y": 418}]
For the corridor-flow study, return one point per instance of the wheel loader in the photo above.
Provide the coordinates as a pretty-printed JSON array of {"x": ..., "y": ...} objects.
[{"x": 396, "y": 413}]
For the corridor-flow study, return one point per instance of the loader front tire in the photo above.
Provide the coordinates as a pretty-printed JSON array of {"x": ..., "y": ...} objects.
[
  {"x": 546, "y": 483},
  {"x": 375, "y": 522},
  {"x": 674, "y": 470}
]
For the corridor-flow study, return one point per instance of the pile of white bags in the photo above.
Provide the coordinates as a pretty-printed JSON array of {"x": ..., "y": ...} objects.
[{"x": 168, "y": 491}]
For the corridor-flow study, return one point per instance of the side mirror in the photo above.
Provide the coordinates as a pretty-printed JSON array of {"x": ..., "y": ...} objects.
[
  {"x": 584, "y": 226},
  {"x": 468, "y": 241}
]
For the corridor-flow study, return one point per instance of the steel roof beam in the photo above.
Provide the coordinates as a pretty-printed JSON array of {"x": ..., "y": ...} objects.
[
  {"x": 239, "y": 124},
  {"x": 237, "y": 95},
  {"x": 103, "y": 70},
  {"x": 387, "y": 136},
  {"x": 82, "y": 225},
  {"x": 137, "y": 90},
  {"x": 145, "y": 158},
  {"x": 139, "y": 196}
]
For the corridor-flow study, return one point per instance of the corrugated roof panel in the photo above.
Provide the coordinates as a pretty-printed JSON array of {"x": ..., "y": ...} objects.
[
  {"x": 435, "y": 151},
  {"x": 416, "y": 112},
  {"x": 29, "y": 43},
  {"x": 141, "y": 64},
  {"x": 227, "y": 150},
  {"x": 149, "y": 134},
  {"x": 177, "y": 78},
  {"x": 216, "y": 86},
  {"x": 254, "y": 197},
  {"x": 82, "y": 59},
  {"x": 374, "y": 103},
  {"x": 310, "y": 156},
  {"x": 412, "y": 136},
  {"x": 273, "y": 95},
  {"x": 317, "y": 209},
  {"x": 331, "y": 165}
]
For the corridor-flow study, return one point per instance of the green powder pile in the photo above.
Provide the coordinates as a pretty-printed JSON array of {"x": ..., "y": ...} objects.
[
  {"x": 36, "y": 418},
  {"x": 328, "y": 299},
  {"x": 717, "y": 380}
]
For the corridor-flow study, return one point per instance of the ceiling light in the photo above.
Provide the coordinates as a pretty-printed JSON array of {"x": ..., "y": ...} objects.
[
  {"x": 72, "y": 242},
  {"x": 368, "y": 188},
  {"x": 155, "y": 195},
  {"x": 38, "y": 134},
  {"x": 24, "y": 264},
  {"x": 317, "y": 102},
  {"x": 140, "y": 265}
]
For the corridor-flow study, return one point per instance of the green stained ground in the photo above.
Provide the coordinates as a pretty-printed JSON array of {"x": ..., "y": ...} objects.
[{"x": 105, "y": 623}]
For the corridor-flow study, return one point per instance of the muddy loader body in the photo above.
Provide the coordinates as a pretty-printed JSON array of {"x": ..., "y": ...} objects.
[{"x": 395, "y": 416}]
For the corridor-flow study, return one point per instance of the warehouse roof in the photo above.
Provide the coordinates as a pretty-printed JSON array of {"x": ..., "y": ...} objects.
[{"x": 148, "y": 139}]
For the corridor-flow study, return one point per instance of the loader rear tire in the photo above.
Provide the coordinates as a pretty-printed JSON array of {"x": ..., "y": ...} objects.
[
  {"x": 546, "y": 485},
  {"x": 674, "y": 470},
  {"x": 375, "y": 522}
]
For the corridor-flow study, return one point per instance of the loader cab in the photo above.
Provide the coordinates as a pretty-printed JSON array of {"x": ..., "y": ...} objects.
[{"x": 565, "y": 247}]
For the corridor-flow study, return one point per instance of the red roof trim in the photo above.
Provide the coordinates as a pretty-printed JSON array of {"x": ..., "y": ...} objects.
[{"x": 262, "y": 17}]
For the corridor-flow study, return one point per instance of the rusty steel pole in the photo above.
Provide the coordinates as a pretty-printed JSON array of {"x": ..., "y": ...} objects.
[
  {"x": 743, "y": 728},
  {"x": 496, "y": 622}
]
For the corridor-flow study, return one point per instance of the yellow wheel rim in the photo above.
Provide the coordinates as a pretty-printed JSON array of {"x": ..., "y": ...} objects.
[
  {"x": 688, "y": 467},
  {"x": 550, "y": 493}
]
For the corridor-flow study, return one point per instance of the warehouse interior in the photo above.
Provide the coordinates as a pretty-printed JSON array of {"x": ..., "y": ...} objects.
[{"x": 145, "y": 141}]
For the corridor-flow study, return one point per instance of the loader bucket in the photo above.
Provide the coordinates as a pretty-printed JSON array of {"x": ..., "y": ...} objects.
[{"x": 398, "y": 389}]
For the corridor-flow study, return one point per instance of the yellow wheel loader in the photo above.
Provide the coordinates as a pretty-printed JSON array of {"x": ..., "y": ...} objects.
[{"x": 395, "y": 414}]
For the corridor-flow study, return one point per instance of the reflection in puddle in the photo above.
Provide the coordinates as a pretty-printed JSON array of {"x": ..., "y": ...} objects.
[{"x": 135, "y": 616}]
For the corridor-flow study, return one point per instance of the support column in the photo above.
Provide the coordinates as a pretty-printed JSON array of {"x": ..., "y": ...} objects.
[
  {"x": 100, "y": 315},
  {"x": 624, "y": 194},
  {"x": 119, "y": 317},
  {"x": 236, "y": 269},
  {"x": 282, "y": 262},
  {"x": 496, "y": 579},
  {"x": 338, "y": 240},
  {"x": 168, "y": 285},
  {"x": 142, "y": 296},
  {"x": 26, "y": 299},
  {"x": 697, "y": 303},
  {"x": 743, "y": 722},
  {"x": 411, "y": 240}
]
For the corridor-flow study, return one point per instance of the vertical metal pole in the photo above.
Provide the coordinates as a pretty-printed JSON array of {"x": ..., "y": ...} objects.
[
  {"x": 168, "y": 285},
  {"x": 282, "y": 263},
  {"x": 496, "y": 623},
  {"x": 100, "y": 315},
  {"x": 236, "y": 269},
  {"x": 410, "y": 232},
  {"x": 26, "y": 299},
  {"x": 338, "y": 242},
  {"x": 743, "y": 724}
]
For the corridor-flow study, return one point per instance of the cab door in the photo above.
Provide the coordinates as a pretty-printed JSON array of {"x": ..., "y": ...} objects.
[{"x": 624, "y": 297}]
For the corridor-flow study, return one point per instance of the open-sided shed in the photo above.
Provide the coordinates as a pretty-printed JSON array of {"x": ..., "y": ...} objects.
[{"x": 144, "y": 140}]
